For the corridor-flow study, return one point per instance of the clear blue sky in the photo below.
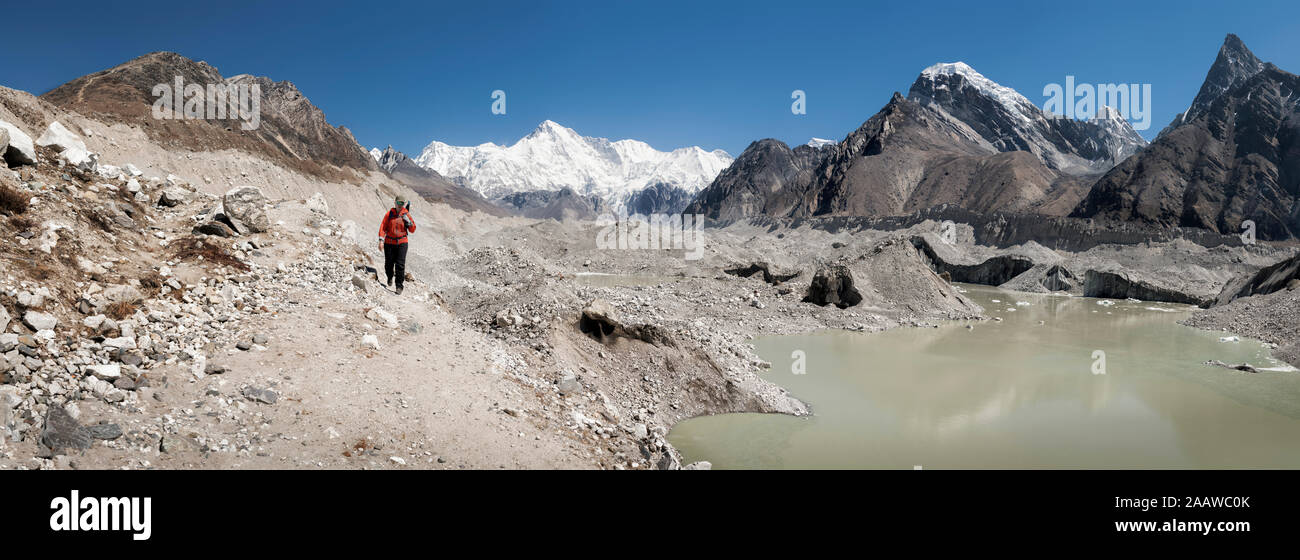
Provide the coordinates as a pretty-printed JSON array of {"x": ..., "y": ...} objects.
[{"x": 714, "y": 74}]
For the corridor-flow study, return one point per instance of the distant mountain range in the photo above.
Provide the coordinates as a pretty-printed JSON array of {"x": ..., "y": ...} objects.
[
  {"x": 961, "y": 140},
  {"x": 957, "y": 138},
  {"x": 622, "y": 174}
]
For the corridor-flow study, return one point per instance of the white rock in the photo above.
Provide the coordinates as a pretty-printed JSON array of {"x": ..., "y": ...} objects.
[
  {"x": 81, "y": 159},
  {"x": 40, "y": 321},
  {"x": 199, "y": 366},
  {"x": 380, "y": 316},
  {"x": 121, "y": 343},
  {"x": 317, "y": 203},
  {"x": 21, "y": 150},
  {"x": 93, "y": 321},
  {"x": 105, "y": 371},
  {"x": 50, "y": 237},
  {"x": 30, "y": 300},
  {"x": 132, "y": 170},
  {"x": 109, "y": 171},
  {"x": 370, "y": 341},
  {"x": 247, "y": 206},
  {"x": 61, "y": 139}
]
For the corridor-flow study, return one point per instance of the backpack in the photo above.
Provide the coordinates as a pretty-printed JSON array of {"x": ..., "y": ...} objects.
[{"x": 396, "y": 227}]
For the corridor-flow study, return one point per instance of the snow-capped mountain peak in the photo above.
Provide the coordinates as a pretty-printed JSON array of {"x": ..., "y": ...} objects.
[
  {"x": 941, "y": 74},
  {"x": 553, "y": 157},
  {"x": 820, "y": 142},
  {"x": 1008, "y": 121}
]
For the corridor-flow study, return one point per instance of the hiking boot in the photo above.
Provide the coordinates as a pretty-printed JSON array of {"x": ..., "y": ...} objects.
[
  {"x": 390, "y": 281},
  {"x": 399, "y": 290}
]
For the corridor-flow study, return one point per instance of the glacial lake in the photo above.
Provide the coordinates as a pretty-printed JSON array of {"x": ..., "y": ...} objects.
[{"x": 1020, "y": 393}]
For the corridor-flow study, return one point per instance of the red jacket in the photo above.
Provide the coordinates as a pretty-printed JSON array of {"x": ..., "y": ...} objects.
[{"x": 393, "y": 229}]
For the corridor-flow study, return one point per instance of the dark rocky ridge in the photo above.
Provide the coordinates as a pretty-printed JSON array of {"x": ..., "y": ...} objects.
[
  {"x": 1233, "y": 66},
  {"x": 659, "y": 198},
  {"x": 1119, "y": 285},
  {"x": 1267, "y": 280},
  {"x": 767, "y": 179},
  {"x": 1003, "y": 230},
  {"x": 292, "y": 131},
  {"x": 1236, "y": 159},
  {"x": 434, "y": 187},
  {"x": 993, "y": 271},
  {"x": 564, "y": 204},
  {"x": 769, "y": 275}
]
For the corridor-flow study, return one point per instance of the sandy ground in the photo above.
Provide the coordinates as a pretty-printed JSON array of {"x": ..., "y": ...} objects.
[{"x": 430, "y": 399}]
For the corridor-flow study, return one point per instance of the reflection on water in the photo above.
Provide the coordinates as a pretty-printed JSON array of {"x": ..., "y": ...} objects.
[{"x": 1017, "y": 393}]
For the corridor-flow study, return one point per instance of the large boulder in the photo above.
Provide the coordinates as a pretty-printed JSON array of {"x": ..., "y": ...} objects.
[
  {"x": 247, "y": 207},
  {"x": 173, "y": 196},
  {"x": 40, "y": 321},
  {"x": 214, "y": 228},
  {"x": 4, "y": 319},
  {"x": 833, "y": 285},
  {"x": 602, "y": 322},
  {"x": 81, "y": 159},
  {"x": 60, "y": 139},
  {"x": 4, "y": 143},
  {"x": 70, "y": 147},
  {"x": 19, "y": 149},
  {"x": 317, "y": 203}
]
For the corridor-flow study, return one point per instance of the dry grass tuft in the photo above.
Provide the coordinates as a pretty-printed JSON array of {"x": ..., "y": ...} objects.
[
  {"x": 152, "y": 283},
  {"x": 192, "y": 248},
  {"x": 22, "y": 223},
  {"x": 13, "y": 202},
  {"x": 121, "y": 310}
]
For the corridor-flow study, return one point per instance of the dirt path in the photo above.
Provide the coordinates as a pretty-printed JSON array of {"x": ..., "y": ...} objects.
[{"x": 435, "y": 399}]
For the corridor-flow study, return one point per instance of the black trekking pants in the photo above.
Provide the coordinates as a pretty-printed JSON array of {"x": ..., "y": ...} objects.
[{"x": 395, "y": 262}]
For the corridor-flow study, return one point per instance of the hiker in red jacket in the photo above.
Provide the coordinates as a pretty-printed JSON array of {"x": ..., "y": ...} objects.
[{"x": 393, "y": 231}]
